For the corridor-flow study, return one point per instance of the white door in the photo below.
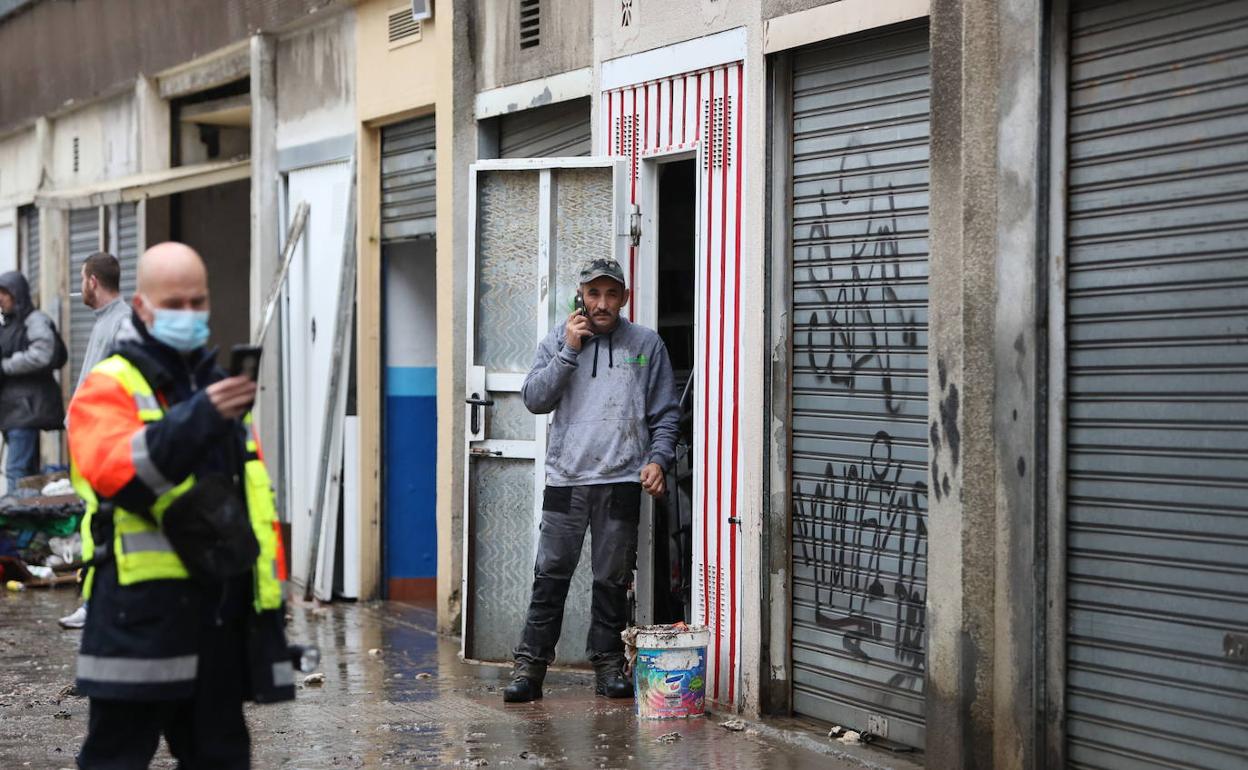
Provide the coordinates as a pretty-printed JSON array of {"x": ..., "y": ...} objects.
[
  {"x": 534, "y": 222},
  {"x": 311, "y": 305}
]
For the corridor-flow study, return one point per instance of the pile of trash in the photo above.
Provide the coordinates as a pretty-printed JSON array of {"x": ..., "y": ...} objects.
[{"x": 39, "y": 541}]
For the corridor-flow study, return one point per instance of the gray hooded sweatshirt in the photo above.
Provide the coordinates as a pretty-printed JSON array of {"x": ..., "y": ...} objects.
[{"x": 615, "y": 404}]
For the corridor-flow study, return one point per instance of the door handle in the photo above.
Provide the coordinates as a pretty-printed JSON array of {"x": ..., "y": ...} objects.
[{"x": 476, "y": 402}]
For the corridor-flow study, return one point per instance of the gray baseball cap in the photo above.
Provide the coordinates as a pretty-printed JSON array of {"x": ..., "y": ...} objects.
[{"x": 602, "y": 268}]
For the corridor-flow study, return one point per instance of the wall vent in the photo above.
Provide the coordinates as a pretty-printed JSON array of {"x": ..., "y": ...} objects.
[
  {"x": 530, "y": 23},
  {"x": 402, "y": 28},
  {"x": 626, "y": 129},
  {"x": 75, "y": 155},
  {"x": 717, "y": 127}
]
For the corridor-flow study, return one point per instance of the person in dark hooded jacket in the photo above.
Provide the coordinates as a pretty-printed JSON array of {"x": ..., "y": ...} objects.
[{"x": 30, "y": 398}]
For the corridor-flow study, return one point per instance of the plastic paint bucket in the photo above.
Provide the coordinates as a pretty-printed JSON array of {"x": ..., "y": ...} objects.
[{"x": 670, "y": 673}]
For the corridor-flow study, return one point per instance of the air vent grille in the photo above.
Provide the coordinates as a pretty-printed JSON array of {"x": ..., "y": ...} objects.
[
  {"x": 717, "y": 129},
  {"x": 530, "y": 23},
  {"x": 403, "y": 28}
]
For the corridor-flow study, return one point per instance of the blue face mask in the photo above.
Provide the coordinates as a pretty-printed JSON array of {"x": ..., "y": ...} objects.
[{"x": 182, "y": 330}]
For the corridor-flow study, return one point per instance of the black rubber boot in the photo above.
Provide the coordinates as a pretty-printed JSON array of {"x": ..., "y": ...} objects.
[
  {"x": 526, "y": 684},
  {"x": 609, "y": 680},
  {"x": 522, "y": 690}
]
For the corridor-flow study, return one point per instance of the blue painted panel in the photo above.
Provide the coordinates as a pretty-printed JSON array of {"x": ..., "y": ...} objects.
[
  {"x": 412, "y": 381},
  {"x": 410, "y": 515}
]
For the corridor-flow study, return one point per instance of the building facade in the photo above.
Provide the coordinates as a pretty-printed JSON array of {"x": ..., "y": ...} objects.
[{"x": 956, "y": 292}]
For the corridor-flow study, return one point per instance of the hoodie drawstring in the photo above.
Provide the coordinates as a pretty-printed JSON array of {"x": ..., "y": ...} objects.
[{"x": 610, "y": 353}]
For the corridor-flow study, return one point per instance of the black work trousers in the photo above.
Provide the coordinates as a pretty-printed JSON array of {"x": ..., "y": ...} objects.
[
  {"x": 206, "y": 730},
  {"x": 610, "y": 512}
]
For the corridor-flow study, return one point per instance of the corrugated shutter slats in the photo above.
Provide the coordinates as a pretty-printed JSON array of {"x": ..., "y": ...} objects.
[
  {"x": 408, "y": 180},
  {"x": 32, "y": 258},
  {"x": 859, "y": 423},
  {"x": 84, "y": 240},
  {"x": 1157, "y": 452},
  {"x": 553, "y": 131}
]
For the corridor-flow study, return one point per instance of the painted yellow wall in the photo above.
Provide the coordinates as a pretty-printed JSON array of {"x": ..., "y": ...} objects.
[
  {"x": 393, "y": 85},
  {"x": 391, "y": 82}
]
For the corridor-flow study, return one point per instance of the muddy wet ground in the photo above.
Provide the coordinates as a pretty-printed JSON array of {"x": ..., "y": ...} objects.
[{"x": 414, "y": 704}]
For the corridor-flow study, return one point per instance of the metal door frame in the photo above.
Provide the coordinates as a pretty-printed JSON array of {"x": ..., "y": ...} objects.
[
  {"x": 1051, "y": 667},
  {"x": 647, "y": 314},
  {"x": 476, "y": 377},
  {"x": 777, "y": 593}
]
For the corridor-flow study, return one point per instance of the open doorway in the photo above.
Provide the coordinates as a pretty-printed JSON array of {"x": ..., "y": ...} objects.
[
  {"x": 676, "y": 252},
  {"x": 409, "y": 519}
]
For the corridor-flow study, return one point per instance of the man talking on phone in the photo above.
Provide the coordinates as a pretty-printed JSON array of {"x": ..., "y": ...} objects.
[
  {"x": 181, "y": 535},
  {"x": 610, "y": 384}
]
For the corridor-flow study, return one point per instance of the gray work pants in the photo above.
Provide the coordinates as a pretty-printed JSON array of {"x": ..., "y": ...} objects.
[{"x": 610, "y": 512}]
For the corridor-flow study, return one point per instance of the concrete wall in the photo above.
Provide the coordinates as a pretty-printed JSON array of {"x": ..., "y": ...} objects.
[
  {"x": 774, "y": 8},
  {"x": 985, "y": 610},
  {"x": 565, "y": 33},
  {"x": 55, "y": 53},
  {"x": 653, "y": 25},
  {"x": 19, "y": 166},
  {"x": 107, "y": 142},
  {"x": 19, "y": 177},
  {"x": 391, "y": 82},
  {"x": 315, "y": 70}
]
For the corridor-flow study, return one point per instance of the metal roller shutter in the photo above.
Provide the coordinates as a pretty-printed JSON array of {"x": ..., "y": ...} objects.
[
  {"x": 408, "y": 180},
  {"x": 32, "y": 256},
  {"x": 127, "y": 249},
  {"x": 859, "y": 423},
  {"x": 553, "y": 131},
  {"x": 1157, "y": 366},
  {"x": 84, "y": 240}
]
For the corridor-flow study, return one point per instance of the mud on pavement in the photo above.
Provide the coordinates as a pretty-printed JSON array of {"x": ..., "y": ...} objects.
[{"x": 394, "y": 694}]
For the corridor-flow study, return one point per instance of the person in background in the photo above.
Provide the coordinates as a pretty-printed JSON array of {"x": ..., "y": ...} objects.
[
  {"x": 101, "y": 291},
  {"x": 30, "y": 398}
]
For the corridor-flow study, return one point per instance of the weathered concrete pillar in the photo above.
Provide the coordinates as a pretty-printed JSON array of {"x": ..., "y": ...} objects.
[
  {"x": 265, "y": 225},
  {"x": 152, "y": 117},
  {"x": 985, "y": 591},
  {"x": 457, "y": 148}
]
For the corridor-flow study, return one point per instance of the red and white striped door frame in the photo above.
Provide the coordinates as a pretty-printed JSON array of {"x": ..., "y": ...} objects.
[{"x": 702, "y": 111}]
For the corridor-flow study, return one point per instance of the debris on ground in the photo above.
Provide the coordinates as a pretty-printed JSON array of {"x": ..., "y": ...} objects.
[
  {"x": 62, "y": 714},
  {"x": 735, "y": 725},
  {"x": 668, "y": 738},
  {"x": 68, "y": 691},
  {"x": 424, "y": 675},
  {"x": 850, "y": 738},
  {"x": 61, "y": 486},
  {"x": 375, "y": 652},
  {"x": 836, "y": 732},
  {"x": 314, "y": 680}
]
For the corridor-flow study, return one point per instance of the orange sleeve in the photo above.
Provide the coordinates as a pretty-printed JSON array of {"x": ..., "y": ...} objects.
[{"x": 102, "y": 422}]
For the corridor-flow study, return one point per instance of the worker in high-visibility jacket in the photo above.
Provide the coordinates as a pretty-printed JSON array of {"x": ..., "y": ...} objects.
[{"x": 165, "y": 652}]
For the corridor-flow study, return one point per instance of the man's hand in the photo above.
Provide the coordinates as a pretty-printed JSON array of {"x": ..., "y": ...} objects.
[
  {"x": 653, "y": 480},
  {"x": 232, "y": 396},
  {"x": 577, "y": 330}
]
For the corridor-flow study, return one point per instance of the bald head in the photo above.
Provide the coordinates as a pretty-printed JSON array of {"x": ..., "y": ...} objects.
[{"x": 171, "y": 276}]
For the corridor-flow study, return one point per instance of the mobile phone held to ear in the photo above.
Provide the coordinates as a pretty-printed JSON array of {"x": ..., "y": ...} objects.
[
  {"x": 580, "y": 303},
  {"x": 245, "y": 361}
]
